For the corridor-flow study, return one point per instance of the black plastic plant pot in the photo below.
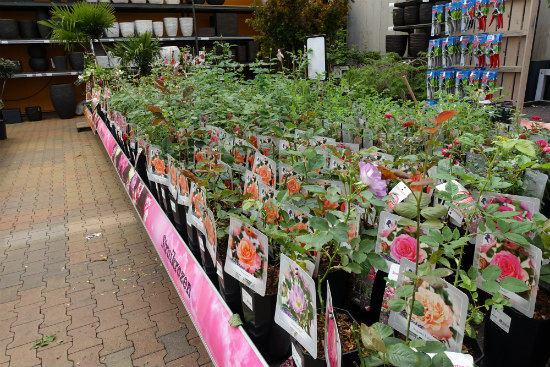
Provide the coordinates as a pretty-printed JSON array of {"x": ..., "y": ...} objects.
[
  {"x": 229, "y": 288},
  {"x": 38, "y": 64},
  {"x": 526, "y": 344},
  {"x": 208, "y": 264},
  {"x": 258, "y": 311},
  {"x": 338, "y": 280},
  {"x": 179, "y": 211},
  {"x": 411, "y": 14},
  {"x": 350, "y": 358},
  {"x": 28, "y": 29},
  {"x": 34, "y": 113},
  {"x": 193, "y": 243},
  {"x": 141, "y": 168},
  {"x": 273, "y": 343},
  {"x": 153, "y": 189},
  {"x": 396, "y": 43},
  {"x": 9, "y": 29},
  {"x": 477, "y": 352},
  {"x": 63, "y": 99},
  {"x": 371, "y": 314},
  {"x": 165, "y": 201},
  {"x": 76, "y": 59},
  {"x": 43, "y": 14},
  {"x": 425, "y": 13},
  {"x": 398, "y": 17},
  {"x": 418, "y": 42},
  {"x": 59, "y": 63}
]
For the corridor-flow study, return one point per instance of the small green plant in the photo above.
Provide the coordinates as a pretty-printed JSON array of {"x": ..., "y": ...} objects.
[
  {"x": 79, "y": 23},
  {"x": 44, "y": 341},
  {"x": 140, "y": 51}
]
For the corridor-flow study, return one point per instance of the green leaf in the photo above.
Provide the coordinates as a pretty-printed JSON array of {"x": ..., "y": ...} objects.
[
  {"x": 405, "y": 209},
  {"x": 377, "y": 261},
  {"x": 235, "y": 320},
  {"x": 371, "y": 339},
  {"x": 406, "y": 222},
  {"x": 417, "y": 308},
  {"x": 405, "y": 291},
  {"x": 432, "y": 224},
  {"x": 434, "y": 212},
  {"x": 315, "y": 189},
  {"x": 526, "y": 147},
  {"x": 319, "y": 223},
  {"x": 425, "y": 360},
  {"x": 441, "y": 272},
  {"x": 491, "y": 272},
  {"x": 433, "y": 347},
  {"x": 383, "y": 329},
  {"x": 397, "y": 304},
  {"x": 401, "y": 355},
  {"x": 514, "y": 285},
  {"x": 517, "y": 238},
  {"x": 447, "y": 234},
  {"x": 358, "y": 257},
  {"x": 441, "y": 360},
  {"x": 429, "y": 241},
  {"x": 490, "y": 286}
]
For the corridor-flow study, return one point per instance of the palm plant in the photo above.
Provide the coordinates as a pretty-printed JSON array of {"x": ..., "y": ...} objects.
[
  {"x": 79, "y": 23},
  {"x": 140, "y": 51}
]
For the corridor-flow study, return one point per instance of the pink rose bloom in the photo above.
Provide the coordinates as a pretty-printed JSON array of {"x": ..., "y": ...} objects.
[
  {"x": 297, "y": 299},
  {"x": 237, "y": 231},
  {"x": 371, "y": 177},
  {"x": 509, "y": 265},
  {"x": 331, "y": 341},
  {"x": 438, "y": 316},
  {"x": 405, "y": 246},
  {"x": 385, "y": 233}
]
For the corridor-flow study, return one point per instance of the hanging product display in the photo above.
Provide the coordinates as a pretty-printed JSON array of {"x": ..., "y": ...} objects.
[
  {"x": 493, "y": 46},
  {"x": 482, "y": 12},
  {"x": 474, "y": 79},
  {"x": 466, "y": 49},
  {"x": 453, "y": 17},
  {"x": 434, "y": 54},
  {"x": 488, "y": 83},
  {"x": 449, "y": 80},
  {"x": 498, "y": 10},
  {"x": 468, "y": 15},
  {"x": 479, "y": 49},
  {"x": 438, "y": 12},
  {"x": 461, "y": 80},
  {"x": 432, "y": 83}
]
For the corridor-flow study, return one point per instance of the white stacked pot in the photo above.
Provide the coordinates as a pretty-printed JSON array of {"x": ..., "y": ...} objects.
[
  {"x": 138, "y": 1},
  {"x": 171, "y": 26},
  {"x": 186, "y": 25},
  {"x": 143, "y": 26},
  {"x": 172, "y": 2},
  {"x": 156, "y": 1},
  {"x": 120, "y": 1},
  {"x": 126, "y": 29},
  {"x": 113, "y": 31},
  {"x": 158, "y": 29}
]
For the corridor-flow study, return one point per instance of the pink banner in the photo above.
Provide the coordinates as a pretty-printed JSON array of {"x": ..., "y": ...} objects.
[{"x": 228, "y": 346}]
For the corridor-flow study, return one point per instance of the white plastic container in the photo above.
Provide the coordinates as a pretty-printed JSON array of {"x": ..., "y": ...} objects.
[
  {"x": 126, "y": 28},
  {"x": 143, "y": 26},
  {"x": 138, "y": 1},
  {"x": 158, "y": 29},
  {"x": 172, "y": 2},
  {"x": 186, "y": 25},
  {"x": 156, "y": 1},
  {"x": 114, "y": 31},
  {"x": 171, "y": 26}
]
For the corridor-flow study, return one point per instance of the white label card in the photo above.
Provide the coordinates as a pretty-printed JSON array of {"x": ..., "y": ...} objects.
[
  {"x": 501, "y": 319},
  {"x": 219, "y": 269},
  {"x": 296, "y": 357},
  {"x": 201, "y": 244},
  {"x": 247, "y": 299},
  {"x": 173, "y": 205}
]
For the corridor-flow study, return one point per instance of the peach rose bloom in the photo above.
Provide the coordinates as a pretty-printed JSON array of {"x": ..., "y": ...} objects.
[
  {"x": 293, "y": 185},
  {"x": 265, "y": 174},
  {"x": 252, "y": 189},
  {"x": 160, "y": 166},
  {"x": 173, "y": 174},
  {"x": 183, "y": 185},
  {"x": 210, "y": 231},
  {"x": 438, "y": 316},
  {"x": 248, "y": 258}
]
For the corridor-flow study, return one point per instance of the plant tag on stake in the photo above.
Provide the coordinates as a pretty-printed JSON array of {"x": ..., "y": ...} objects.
[
  {"x": 333, "y": 345},
  {"x": 398, "y": 194},
  {"x": 296, "y": 308},
  {"x": 296, "y": 357},
  {"x": 501, "y": 319},
  {"x": 219, "y": 270},
  {"x": 456, "y": 214},
  {"x": 247, "y": 299}
]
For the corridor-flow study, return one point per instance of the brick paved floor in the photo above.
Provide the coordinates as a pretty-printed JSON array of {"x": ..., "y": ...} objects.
[{"x": 108, "y": 300}]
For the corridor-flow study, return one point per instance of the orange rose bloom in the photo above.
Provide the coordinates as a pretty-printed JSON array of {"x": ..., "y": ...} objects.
[
  {"x": 197, "y": 198},
  {"x": 238, "y": 158},
  {"x": 438, "y": 316},
  {"x": 209, "y": 226},
  {"x": 231, "y": 244},
  {"x": 352, "y": 232},
  {"x": 173, "y": 174},
  {"x": 183, "y": 185},
  {"x": 252, "y": 189},
  {"x": 298, "y": 227},
  {"x": 248, "y": 258},
  {"x": 160, "y": 167},
  {"x": 265, "y": 174},
  {"x": 272, "y": 213},
  {"x": 249, "y": 232},
  {"x": 254, "y": 141},
  {"x": 329, "y": 204},
  {"x": 293, "y": 185}
]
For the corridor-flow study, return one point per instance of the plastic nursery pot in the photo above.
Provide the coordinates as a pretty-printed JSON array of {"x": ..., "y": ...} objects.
[
  {"x": 411, "y": 15},
  {"x": 208, "y": 264},
  {"x": 350, "y": 358},
  {"x": 192, "y": 235},
  {"x": 259, "y": 322},
  {"x": 398, "y": 17},
  {"x": 396, "y": 43},
  {"x": 339, "y": 281},
  {"x": 371, "y": 313},
  {"x": 526, "y": 343},
  {"x": 178, "y": 213},
  {"x": 229, "y": 288},
  {"x": 165, "y": 200}
]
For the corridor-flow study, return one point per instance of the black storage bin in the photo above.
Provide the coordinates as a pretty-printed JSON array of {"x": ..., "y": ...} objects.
[
  {"x": 226, "y": 24},
  {"x": 11, "y": 115},
  {"x": 34, "y": 113}
]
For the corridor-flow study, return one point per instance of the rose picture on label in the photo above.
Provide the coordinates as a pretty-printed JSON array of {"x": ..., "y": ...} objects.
[
  {"x": 296, "y": 304},
  {"x": 240, "y": 151},
  {"x": 247, "y": 255},
  {"x": 251, "y": 185},
  {"x": 289, "y": 179},
  {"x": 445, "y": 312},
  {"x": 514, "y": 260},
  {"x": 265, "y": 168},
  {"x": 396, "y": 241},
  {"x": 523, "y": 205},
  {"x": 333, "y": 346},
  {"x": 183, "y": 187}
]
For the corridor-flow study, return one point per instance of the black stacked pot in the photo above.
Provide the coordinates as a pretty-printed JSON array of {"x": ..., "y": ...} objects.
[
  {"x": 28, "y": 29},
  {"x": 425, "y": 13},
  {"x": 42, "y": 14},
  {"x": 411, "y": 14},
  {"x": 38, "y": 61},
  {"x": 398, "y": 17},
  {"x": 418, "y": 42},
  {"x": 9, "y": 29},
  {"x": 60, "y": 63},
  {"x": 76, "y": 60},
  {"x": 396, "y": 43}
]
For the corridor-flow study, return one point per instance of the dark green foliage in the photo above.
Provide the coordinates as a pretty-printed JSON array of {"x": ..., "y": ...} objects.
[{"x": 139, "y": 51}]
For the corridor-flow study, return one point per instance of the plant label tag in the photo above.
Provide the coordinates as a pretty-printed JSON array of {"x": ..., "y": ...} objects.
[
  {"x": 201, "y": 244},
  {"x": 296, "y": 357},
  {"x": 219, "y": 270},
  {"x": 247, "y": 299},
  {"x": 173, "y": 206},
  {"x": 398, "y": 194},
  {"x": 390, "y": 5},
  {"x": 501, "y": 319},
  {"x": 162, "y": 193},
  {"x": 390, "y": 29}
]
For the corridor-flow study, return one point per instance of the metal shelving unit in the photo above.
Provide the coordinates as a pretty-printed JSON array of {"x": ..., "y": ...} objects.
[{"x": 40, "y": 74}]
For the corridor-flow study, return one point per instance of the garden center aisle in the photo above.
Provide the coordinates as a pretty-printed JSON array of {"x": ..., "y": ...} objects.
[{"x": 107, "y": 299}]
